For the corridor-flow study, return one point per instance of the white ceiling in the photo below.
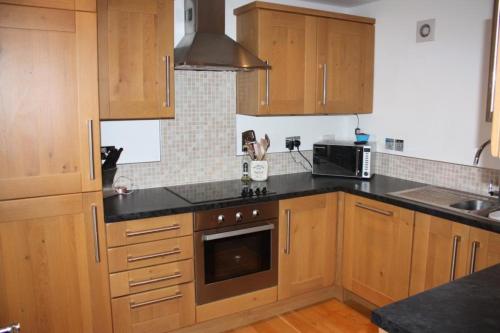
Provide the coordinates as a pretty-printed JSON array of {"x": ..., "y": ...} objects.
[{"x": 344, "y": 3}]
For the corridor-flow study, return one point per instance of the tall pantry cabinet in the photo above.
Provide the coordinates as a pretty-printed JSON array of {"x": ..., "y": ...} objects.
[{"x": 52, "y": 261}]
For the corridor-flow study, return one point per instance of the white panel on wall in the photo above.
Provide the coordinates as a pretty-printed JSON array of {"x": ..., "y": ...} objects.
[
  {"x": 140, "y": 139},
  {"x": 310, "y": 129}
]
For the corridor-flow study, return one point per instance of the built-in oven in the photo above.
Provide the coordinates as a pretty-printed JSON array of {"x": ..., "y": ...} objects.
[{"x": 236, "y": 251}]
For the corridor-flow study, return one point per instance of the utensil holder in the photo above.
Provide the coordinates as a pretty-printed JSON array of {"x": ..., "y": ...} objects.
[{"x": 259, "y": 170}]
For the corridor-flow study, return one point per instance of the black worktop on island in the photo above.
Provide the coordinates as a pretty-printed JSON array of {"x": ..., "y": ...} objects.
[
  {"x": 467, "y": 305},
  {"x": 161, "y": 201}
]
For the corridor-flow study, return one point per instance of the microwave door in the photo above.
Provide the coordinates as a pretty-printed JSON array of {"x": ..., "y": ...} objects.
[{"x": 338, "y": 161}]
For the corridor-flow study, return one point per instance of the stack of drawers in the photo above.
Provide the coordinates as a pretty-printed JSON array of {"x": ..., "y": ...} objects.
[{"x": 151, "y": 273}]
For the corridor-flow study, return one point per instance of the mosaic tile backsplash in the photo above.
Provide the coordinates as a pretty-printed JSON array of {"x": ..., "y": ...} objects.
[{"x": 199, "y": 145}]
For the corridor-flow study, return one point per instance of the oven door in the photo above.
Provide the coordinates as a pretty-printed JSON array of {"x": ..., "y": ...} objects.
[
  {"x": 332, "y": 160},
  {"x": 235, "y": 260}
]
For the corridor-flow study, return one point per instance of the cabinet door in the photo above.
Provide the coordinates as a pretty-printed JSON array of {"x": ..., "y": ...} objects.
[
  {"x": 439, "y": 252},
  {"x": 377, "y": 250},
  {"x": 136, "y": 79},
  {"x": 49, "y": 116},
  {"x": 345, "y": 67},
  {"x": 484, "y": 250},
  {"x": 288, "y": 42},
  {"x": 307, "y": 244},
  {"x": 84, "y": 5},
  {"x": 53, "y": 269}
]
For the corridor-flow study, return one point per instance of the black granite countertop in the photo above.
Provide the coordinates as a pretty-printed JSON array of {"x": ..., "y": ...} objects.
[
  {"x": 161, "y": 201},
  {"x": 467, "y": 305}
]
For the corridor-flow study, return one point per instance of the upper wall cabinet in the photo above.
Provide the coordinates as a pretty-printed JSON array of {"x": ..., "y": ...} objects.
[
  {"x": 321, "y": 62},
  {"x": 136, "y": 45},
  {"x": 49, "y": 112}
]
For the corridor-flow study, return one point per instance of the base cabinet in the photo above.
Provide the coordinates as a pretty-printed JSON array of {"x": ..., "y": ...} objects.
[
  {"x": 444, "y": 250},
  {"x": 377, "y": 250},
  {"x": 53, "y": 268},
  {"x": 307, "y": 244}
]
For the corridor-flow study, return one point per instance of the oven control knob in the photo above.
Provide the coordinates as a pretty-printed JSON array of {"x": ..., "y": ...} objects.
[
  {"x": 239, "y": 217},
  {"x": 255, "y": 213},
  {"x": 220, "y": 219}
]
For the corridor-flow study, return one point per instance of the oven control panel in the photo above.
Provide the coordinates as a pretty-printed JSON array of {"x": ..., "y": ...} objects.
[{"x": 228, "y": 216}]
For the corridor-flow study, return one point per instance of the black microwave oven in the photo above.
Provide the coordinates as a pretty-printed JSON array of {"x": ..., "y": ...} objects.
[{"x": 342, "y": 159}]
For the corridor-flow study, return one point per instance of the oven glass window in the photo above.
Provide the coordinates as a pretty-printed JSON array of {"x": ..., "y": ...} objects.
[{"x": 236, "y": 256}]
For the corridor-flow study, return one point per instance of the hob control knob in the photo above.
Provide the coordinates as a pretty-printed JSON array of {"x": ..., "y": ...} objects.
[
  {"x": 220, "y": 219},
  {"x": 257, "y": 191},
  {"x": 255, "y": 213},
  {"x": 239, "y": 217},
  {"x": 264, "y": 190}
]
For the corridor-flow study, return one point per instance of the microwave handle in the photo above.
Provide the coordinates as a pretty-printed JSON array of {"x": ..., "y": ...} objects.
[
  {"x": 358, "y": 167},
  {"x": 234, "y": 233}
]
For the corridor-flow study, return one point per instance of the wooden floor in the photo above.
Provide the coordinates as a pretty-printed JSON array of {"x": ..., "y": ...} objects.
[{"x": 329, "y": 317}]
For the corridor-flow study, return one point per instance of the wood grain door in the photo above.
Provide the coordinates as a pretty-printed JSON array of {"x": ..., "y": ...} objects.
[
  {"x": 288, "y": 42},
  {"x": 307, "y": 244},
  {"x": 345, "y": 67},
  {"x": 377, "y": 250},
  {"x": 49, "y": 116},
  {"x": 433, "y": 252},
  {"x": 484, "y": 250},
  {"x": 53, "y": 268},
  {"x": 83, "y": 5},
  {"x": 136, "y": 45}
]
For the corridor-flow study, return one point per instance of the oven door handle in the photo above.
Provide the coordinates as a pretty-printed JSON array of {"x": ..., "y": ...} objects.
[{"x": 239, "y": 232}]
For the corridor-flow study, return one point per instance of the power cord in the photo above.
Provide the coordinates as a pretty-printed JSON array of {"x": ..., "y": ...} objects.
[
  {"x": 298, "y": 150},
  {"x": 298, "y": 162}
]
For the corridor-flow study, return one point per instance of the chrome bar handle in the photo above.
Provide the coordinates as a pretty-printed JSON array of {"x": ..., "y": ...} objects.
[
  {"x": 475, "y": 246},
  {"x": 238, "y": 232},
  {"x": 160, "y": 279},
  {"x": 95, "y": 232},
  {"x": 495, "y": 35},
  {"x": 152, "y": 231},
  {"x": 90, "y": 131},
  {"x": 14, "y": 328},
  {"x": 268, "y": 83},
  {"x": 288, "y": 244},
  {"x": 153, "y": 256},
  {"x": 167, "y": 83},
  {"x": 159, "y": 300},
  {"x": 456, "y": 240},
  {"x": 325, "y": 82},
  {"x": 372, "y": 209}
]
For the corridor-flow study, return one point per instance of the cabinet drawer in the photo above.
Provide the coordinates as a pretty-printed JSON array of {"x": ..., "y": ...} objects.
[
  {"x": 158, "y": 311},
  {"x": 144, "y": 279},
  {"x": 147, "y": 230},
  {"x": 149, "y": 254}
]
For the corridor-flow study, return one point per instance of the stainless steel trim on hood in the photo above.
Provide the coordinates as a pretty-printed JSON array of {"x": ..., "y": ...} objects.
[{"x": 205, "y": 45}]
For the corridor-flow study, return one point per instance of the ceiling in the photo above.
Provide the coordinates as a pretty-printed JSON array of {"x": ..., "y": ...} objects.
[{"x": 343, "y": 3}]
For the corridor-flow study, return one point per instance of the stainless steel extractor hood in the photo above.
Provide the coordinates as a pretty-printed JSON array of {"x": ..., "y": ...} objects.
[{"x": 205, "y": 45}]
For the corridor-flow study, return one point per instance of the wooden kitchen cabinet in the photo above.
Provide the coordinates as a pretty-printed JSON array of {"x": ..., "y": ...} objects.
[
  {"x": 53, "y": 266},
  {"x": 83, "y": 5},
  {"x": 136, "y": 64},
  {"x": 307, "y": 244},
  {"x": 49, "y": 116},
  {"x": 433, "y": 249},
  {"x": 377, "y": 250},
  {"x": 437, "y": 261},
  {"x": 345, "y": 67},
  {"x": 297, "y": 42}
]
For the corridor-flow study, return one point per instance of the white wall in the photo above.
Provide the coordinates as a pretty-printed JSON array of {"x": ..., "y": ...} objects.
[{"x": 432, "y": 94}]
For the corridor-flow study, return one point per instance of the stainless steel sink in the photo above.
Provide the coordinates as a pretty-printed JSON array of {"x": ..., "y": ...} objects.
[
  {"x": 463, "y": 202},
  {"x": 472, "y": 205}
]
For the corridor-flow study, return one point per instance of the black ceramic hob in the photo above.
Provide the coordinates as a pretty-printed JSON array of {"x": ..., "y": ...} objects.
[{"x": 220, "y": 191}]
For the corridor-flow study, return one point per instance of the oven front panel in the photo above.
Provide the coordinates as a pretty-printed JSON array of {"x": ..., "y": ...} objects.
[{"x": 228, "y": 265}]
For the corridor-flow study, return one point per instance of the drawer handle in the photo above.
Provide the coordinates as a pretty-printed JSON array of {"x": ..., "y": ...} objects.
[
  {"x": 375, "y": 210},
  {"x": 475, "y": 246},
  {"x": 152, "y": 231},
  {"x": 454, "y": 250},
  {"x": 176, "y": 275},
  {"x": 159, "y": 300},
  {"x": 156, "y": 255}
]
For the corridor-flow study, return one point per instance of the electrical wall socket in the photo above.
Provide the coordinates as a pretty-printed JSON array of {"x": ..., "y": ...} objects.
[
  {"x": 289, "y": 142},
  {"x": 389, "y": 144},
  {"x": 400, "y": 145}
]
